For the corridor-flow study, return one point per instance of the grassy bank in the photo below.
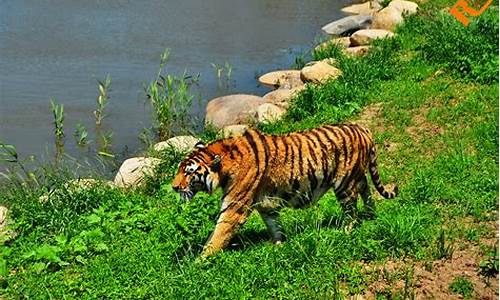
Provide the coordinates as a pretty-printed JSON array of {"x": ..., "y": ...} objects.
[{"x": 430, "y": 95}]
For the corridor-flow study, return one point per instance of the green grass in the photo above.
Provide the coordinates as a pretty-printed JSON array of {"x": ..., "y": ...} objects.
[
  {"x": 437, "y": 136},
  {"x": 462, "y": 286}
]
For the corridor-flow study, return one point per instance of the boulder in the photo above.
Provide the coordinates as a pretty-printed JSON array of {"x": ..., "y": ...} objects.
[
  {"x": 319, "y": 71},
  {"x": 269, "y": 112},
  {"x": 357, "y": 51},
  {"x": 342, "y": 42},
  {"x": 234, "y": 130},
  {"x": 284, "y": 79},
  {"x": 133, "y": 171},
  {"x": 366, "y": 36},
  {"x": 347, "y": 25},
  {"x": 182, "y": 143},
  {"x": 281, "y": 97},
  {"x": 232, "y": 110},
  {"x": 388, "y": 18},
  {"x": 406, "y": 8},
  {"x": 366, "y": 8}
]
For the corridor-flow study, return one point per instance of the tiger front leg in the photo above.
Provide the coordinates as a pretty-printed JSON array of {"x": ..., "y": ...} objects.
[{"x": 232, "y": 216}]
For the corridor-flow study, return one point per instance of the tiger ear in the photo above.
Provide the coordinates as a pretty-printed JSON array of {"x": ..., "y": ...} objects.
[
  {"x": 216, "y": 163},
  {"x": 199, "y": 145}
]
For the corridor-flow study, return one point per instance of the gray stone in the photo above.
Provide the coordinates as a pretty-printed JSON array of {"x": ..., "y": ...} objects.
[{"x": 348, "y": 24}]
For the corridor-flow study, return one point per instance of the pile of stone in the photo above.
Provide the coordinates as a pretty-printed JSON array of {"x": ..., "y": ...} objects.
[{"x": 367, "y": 22}]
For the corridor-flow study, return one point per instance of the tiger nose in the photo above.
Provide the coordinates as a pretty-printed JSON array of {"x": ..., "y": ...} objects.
[{"x": 176, "y": 187}]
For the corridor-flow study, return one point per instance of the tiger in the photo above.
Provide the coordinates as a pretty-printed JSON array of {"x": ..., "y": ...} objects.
[{"x": 265, "y": 173}]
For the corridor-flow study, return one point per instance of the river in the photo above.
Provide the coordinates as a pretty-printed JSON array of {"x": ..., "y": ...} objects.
[{"x": 59, "y": 49}]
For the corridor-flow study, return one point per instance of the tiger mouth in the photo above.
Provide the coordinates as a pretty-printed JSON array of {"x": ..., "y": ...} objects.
[{"x": 187, "y": 195}]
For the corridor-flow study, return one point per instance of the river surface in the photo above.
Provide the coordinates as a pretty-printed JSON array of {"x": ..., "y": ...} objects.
[{"x": 59, "y": 49}]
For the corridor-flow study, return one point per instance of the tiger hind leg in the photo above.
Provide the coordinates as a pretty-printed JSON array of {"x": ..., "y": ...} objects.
[
  {"x": 270, "y": 218},
  {"x": 364, "y": 189},
  {"x": 348, "y": 200}
]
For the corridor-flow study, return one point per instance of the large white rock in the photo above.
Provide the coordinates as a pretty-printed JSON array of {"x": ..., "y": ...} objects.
[
  {"x": 357, "y": 51},
  {"x": 319, "y": 71},
  {"x": 268, "y": 112},
  {"x": 388, "y": 18},
  {"x": 366, "y": 36},
  {"x": 284, "y": 79},
  {"x": 347, "y": 24},
  {"x": 133, "y": 171},
  {"x": 405, "y": 7},
  {"x": 366, "y": 8},
  {"x": 183, "y": 143},
  {"x": 234, "y": 130},
  {"x": 282, "y": 97},
  {"x": 233, "y": 110}
]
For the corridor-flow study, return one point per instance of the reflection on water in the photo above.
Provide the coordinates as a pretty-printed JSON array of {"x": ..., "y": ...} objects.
[{"x": 51, "y": 48}]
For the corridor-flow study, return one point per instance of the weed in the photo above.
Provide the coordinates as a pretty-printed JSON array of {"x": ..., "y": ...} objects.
[
  {"x": 443, "y": 249},
  {"x": 223, "y": 74},
  {"x": 102, "y": 99},
  {"x": 463, "y": 286}
]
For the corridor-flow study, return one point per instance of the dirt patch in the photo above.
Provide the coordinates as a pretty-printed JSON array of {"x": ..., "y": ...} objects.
[{"x": 432, "y": 279}]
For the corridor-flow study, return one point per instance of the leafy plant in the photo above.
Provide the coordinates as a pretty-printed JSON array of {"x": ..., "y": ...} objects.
[
  {"x": 102, "y": 99},
  {"x": 443, "y": 249},
  {"x": 488, "y": 267},
  {"x": 171, "y": 101},
  {"x": 58, "y": 114},
  {"x": 81, "y": 135}
]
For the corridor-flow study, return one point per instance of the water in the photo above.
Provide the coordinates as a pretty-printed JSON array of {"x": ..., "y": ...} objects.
[{"x": 59, "y": 49}]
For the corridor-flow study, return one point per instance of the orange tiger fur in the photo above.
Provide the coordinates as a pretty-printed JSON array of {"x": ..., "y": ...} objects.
[{"x": 267, "y": 172}]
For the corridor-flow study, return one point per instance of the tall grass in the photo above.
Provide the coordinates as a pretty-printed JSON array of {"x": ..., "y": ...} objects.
[
  {"x": 171, "y": 99},
  {"x": 58, "y": 115}
]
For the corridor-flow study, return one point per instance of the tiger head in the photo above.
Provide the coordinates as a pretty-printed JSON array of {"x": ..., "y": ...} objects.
[{"x": 199, "y": 171}]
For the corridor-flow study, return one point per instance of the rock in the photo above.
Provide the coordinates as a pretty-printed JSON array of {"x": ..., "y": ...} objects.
[
  {"x": 366, "y": 36},
  {"x": 281, "y": 97},
  {"x": 319, "y": 71},
  {"x": 133, "y": 171},
  {"x": 3, "y": 216},
  {"x": 366, "y": 8},
  {"x": 357, "y": 51},
  {"x": 232, "y": 110},
  {"x": 182, "y": 143},
  {"x": 342, "y": 42},
  {"x": 347, "y": 25},
  {"x": 268, "y": 112},
  {"x": 388, "y": 18},
  {"x": 406, "y": 8},
  {"x": 234, "y": 130},
  {"x": 284, "y": 79}
]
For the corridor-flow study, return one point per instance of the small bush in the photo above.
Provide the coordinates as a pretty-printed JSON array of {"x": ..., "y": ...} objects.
[{"x": 462, "y": 286}]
